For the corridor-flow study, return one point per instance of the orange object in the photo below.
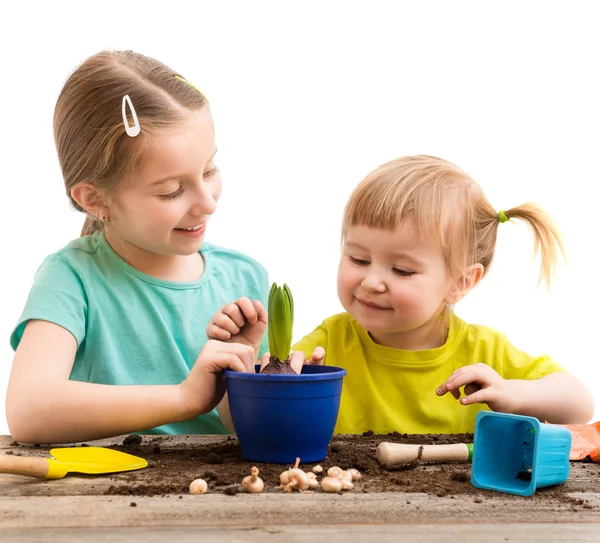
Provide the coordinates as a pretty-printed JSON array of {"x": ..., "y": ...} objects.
[{"x": 585, "y": 441}]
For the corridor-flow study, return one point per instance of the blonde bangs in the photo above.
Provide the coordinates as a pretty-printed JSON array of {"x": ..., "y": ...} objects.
[{"x": 429, "y": 191}]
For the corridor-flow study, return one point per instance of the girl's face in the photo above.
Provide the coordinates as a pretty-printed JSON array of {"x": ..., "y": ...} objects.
[
  {"x": 395, "y": 284},
  {"x": 165, "y": 207}
]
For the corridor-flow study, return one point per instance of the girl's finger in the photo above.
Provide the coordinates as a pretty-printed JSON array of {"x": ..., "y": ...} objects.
[
  {"x": 247, "y": 309},
  {"x": 226, "y": 323},
  {"x": 234, "y": 312},
  {"x": 264, "y": 360},
  {"x": 481, "y": 396},
  {"x": 261, "y": 312},
  {"x": 244, "y": 353},
  {"x": 466, "y": 377},
  {"x": 297, "y": 360},
  {"x": 448, "y": 387},
  {"x": 318, "y": 356},
  {"x": 216, "y": 332},
  {"x": 229, "y": 361}
]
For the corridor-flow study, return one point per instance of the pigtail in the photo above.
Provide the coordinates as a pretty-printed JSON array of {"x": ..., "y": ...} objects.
[
  {"x": 90, "y": 226},
  {"x": 547, "y": 238}
]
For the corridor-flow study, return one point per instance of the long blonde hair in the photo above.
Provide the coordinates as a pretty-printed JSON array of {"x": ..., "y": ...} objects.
[
  {"x": 446, "y": 202},
  {"x": 89, "y": 132}
]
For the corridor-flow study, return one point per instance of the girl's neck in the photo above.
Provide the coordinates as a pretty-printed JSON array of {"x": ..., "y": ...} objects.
[
  {"x": 431, "y": 335},
  {"x": 175, "y": 268}
]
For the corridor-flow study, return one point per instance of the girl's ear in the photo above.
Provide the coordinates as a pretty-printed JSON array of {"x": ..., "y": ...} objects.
[
  {"x": 464, "y": 284},
  {"x": 90, "y": 199}
]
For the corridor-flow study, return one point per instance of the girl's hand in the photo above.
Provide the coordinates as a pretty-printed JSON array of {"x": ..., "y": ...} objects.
[
  {"x": 297, "y": 359},
  {"x": 482, "y": 385},
  {"x": 204, "y": 387},
  {"x": 243, "y": 321}
]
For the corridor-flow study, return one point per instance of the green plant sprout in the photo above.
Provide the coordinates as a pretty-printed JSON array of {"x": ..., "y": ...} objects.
[{"x": 280, "y": 325}]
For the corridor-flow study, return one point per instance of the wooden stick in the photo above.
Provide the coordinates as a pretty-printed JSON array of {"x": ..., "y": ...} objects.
[
  {"x": 24, "y": 465},
  {"x": 397, "y": 454}
]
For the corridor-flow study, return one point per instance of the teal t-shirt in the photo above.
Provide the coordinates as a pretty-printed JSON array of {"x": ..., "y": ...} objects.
[{"x": 133, "y": 329}]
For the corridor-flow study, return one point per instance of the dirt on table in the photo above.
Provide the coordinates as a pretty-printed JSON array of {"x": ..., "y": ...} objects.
[{"x": 171, "y": 469}]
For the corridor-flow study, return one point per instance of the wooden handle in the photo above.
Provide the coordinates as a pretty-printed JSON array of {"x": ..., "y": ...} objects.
[
  {"x": 32, "y": 466},
  {"x": 397, "y": 454}
]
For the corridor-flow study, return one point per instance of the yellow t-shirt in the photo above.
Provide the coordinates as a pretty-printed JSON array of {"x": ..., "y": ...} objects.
[{"x": 393, "y": 390}]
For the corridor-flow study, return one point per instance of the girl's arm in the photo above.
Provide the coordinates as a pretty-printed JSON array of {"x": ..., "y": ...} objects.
[
  {"x": 558, "y": 397},
  {"x": 43, "y": 406}
]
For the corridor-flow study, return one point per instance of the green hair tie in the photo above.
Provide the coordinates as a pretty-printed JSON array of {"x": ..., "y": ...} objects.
[{"x": 502, "y": 217}]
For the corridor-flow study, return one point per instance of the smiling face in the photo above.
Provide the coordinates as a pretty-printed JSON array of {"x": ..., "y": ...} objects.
[
  {"x": 165, "y": 207},
  {"x": 395, "y": 284}
]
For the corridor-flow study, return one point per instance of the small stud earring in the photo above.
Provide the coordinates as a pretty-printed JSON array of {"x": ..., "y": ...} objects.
[{"x": 105, "y": 218}]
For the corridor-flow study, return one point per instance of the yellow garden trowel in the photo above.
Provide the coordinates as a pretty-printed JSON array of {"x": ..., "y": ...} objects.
[{"x": 91, "y": 460}]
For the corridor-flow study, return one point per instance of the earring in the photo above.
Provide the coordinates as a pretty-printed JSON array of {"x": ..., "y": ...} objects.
[{"x": 105, "y": 218}]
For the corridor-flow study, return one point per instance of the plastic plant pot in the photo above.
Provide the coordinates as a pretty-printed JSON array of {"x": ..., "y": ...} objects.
[
  {"x": 518, "y": 454},
  {"x": 278, "y": 418}
]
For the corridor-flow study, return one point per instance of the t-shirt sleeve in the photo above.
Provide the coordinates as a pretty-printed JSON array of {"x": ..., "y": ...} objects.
[
  {"x": 317, "y": 338},
  {"x": 520, "y": 365},
  {"x": 57, "y": 296}
]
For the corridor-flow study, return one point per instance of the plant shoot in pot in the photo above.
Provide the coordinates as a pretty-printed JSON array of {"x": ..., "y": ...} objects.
[{"x": 280, "y": 326}]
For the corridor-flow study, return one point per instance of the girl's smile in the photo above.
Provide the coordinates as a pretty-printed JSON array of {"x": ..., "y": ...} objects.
[
  {"x": 371, "y": 305},
  {"x": 193, "y": 231}
]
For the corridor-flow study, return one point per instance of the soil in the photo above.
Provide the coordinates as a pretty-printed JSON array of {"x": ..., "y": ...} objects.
[{"x": 172, "y": 468}]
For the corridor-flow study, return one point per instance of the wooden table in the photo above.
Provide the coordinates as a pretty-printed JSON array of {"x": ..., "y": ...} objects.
[{"x": 76, "y": 509}]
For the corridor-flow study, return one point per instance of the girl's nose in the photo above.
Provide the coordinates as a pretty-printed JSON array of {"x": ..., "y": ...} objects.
[
  {"x": 204, "y": 201},
  {"x": 373, "y": 282}
]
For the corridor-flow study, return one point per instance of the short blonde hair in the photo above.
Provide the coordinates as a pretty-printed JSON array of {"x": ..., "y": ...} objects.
[
  {"x": 446, "y": 202},
  {"x": 89, "y": 132}
]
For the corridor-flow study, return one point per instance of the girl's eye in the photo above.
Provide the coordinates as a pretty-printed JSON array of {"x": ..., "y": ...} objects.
[
  {"x": 175, "y": 194},
  {"x": 211, "y": 173},
  {"x": 358, "y": 261},
  {"x": 402, "y": 273}
]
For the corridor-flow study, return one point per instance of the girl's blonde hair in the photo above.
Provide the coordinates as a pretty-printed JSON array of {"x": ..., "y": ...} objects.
[
  {"x": 446, "y": 202},
  {"x": 89, "y": 132}
]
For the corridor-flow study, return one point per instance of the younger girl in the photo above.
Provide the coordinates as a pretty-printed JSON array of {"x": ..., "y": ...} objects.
[
  {"x": 112, "y": 337},
  {"x": 418, "y": 234}
]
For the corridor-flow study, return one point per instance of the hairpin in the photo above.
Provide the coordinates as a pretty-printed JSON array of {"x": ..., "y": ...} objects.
[
  {"x": 190, "y": 84},
  {"x": 134, "y": 130}
]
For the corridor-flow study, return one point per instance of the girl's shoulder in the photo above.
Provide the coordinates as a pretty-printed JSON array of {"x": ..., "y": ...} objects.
[
  {"x": 477, "y": 332},
  {"x": 476, "y": 337},
  {"x": 75, "y": 253},
  {"x": 230, "y": 257}
]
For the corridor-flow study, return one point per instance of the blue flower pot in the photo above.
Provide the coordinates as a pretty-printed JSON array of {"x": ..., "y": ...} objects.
[
  {"x": 518, "y": 454},
  {"x": 280, "y": 417}
]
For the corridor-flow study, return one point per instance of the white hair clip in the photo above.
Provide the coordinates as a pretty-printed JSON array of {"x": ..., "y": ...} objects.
[{"x": 134, "y": 130}]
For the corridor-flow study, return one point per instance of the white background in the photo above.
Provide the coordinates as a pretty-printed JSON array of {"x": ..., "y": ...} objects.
[{"x": 307, "y": 99}]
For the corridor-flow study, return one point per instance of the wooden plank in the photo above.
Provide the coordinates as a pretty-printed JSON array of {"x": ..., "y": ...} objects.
[
  {"x": 281, "y": 509},
  {"x": 349, "y": 533}
]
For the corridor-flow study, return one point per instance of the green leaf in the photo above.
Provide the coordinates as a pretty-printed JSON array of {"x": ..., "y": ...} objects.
[{"x": 281, "y": 321}]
